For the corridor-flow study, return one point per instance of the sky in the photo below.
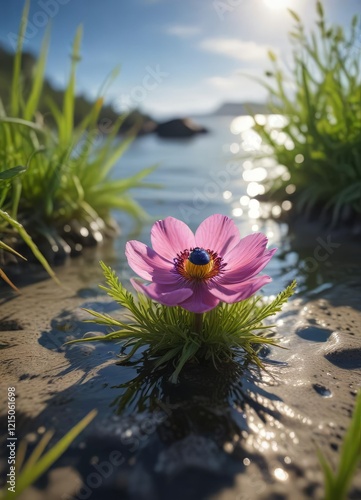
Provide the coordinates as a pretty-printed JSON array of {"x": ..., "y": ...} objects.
[{"x": 176, "y": 57}]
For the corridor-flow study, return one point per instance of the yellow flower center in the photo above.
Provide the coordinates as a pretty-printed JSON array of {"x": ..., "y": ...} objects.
[
  {"x": 197, "y": 271},
  {"x": 198, "y": 264}
]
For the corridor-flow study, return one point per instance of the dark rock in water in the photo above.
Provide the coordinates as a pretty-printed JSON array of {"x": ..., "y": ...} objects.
[
  {"x": 137, "y": 121},
  {"x": 179, "y": 127}
]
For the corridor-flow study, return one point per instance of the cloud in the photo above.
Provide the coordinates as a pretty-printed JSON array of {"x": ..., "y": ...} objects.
[
  {"x": 183, "y": 31},
  {"x": 205, "y": 95},
  {"x": 236, "y": 86},
  {"x": 236, "y": 49},
  {"x": 221, "y": 82}
]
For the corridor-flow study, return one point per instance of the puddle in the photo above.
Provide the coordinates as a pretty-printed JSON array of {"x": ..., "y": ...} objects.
[{"x": 314, "y": 333}]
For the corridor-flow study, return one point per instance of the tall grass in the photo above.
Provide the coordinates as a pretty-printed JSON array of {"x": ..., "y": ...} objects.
[
  {"x": 337, "y": 483},
  {"x": 59, "y": 174},
  {"x": 322, "y": 102}
]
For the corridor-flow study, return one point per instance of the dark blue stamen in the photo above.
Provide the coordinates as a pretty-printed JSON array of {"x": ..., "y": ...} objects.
[{"x": 199, "y": 257}]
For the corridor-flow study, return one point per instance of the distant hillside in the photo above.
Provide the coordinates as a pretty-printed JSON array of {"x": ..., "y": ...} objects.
[
  {"x": 82, "y": 104},
  {"x": 240, "y": 108}
]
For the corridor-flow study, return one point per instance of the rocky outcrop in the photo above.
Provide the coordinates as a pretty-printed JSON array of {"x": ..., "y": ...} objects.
[{"x": 179, "y": 127}]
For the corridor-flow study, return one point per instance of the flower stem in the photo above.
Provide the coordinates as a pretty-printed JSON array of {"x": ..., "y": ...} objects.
[{"x": 198, "y": 322}]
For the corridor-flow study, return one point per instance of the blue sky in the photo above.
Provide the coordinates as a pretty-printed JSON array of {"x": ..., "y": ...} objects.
[{"x": 176, "y": 56}]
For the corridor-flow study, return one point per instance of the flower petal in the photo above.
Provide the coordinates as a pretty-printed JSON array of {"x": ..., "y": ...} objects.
[
  {"x": 170, "y": 237},
  {"x": 148, "y": 264},
  {"x": 218, "y": 233},
  {"x": 247, "y": 270},
  {"x": 239, "y": 291},
  {"x": 156, "y": 292},
  {"x": 201, "y": 300},
  {"x": 194, "y": 297},
  {"x": 247, "y": 249}
]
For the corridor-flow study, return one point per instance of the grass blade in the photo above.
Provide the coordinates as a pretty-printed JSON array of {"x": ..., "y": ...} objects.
[
  {"x": 38, "y": 465},
  {"x": 33, "y": 100},
  {"x": 28, "y": 240},
  {"x": 16, "y": 82}
]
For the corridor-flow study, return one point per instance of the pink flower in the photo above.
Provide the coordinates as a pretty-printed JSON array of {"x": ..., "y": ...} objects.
[{"x": 197, "y": 271}]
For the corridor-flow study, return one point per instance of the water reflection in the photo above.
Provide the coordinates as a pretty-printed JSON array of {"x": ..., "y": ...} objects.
[
  {"x": 241, "y": 124},
  {"x": 290, "y": 189},
  {"x": 300, "y": 242},
  {"x": 258, "y": 170},
  {"x": 216, "y": 421},
  {"x": 232, "y": 382},
  {"x": 280, "y": 474},
  {"x": 257, "y": 174},
  {"x": 237, "y": 212},
  {"x": 204, "y": 431}
]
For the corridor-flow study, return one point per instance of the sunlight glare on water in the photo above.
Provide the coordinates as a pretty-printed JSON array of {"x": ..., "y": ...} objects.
[
  {"x": 257, "y": 174},
  {"x": 251, "y": 140},
  {"x": 276, "y": 121},
  {"x": 280, "y": 474},
  {"x": 241, "y": 124},
  {"x": 219, "y": 172}
]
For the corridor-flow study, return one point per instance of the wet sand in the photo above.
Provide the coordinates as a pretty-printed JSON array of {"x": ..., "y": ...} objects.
[{"x": 220, "y": 436}]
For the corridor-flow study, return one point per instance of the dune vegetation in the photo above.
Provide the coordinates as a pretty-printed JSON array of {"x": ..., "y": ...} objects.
[{"x": 321, "y": 100}]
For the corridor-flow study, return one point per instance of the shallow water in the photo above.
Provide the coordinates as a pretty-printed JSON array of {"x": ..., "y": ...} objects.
[
  {"x": 215, "y": 173},
  {"x": 233, "y": 433}
]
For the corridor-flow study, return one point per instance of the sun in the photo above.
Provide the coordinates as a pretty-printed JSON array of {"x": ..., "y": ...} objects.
[{"x": 277, "y": 4}]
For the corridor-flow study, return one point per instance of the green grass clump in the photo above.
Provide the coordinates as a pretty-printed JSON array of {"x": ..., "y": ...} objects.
[
  {"x": 8, "y": 225},
  {"x": 39, "y": 462},
  {"x": 321, "y": 100},
  {"x": 171, "y": 334},
  {"x": 58, "y": 174},
  {"x": 337, "y": 484}
]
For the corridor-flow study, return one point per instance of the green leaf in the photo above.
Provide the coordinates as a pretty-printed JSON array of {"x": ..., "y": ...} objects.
[
  {"x": 34, "y": 97},
  {"x": 16, "y": 88},
  {"x": 188, "y": 352},
  {"x": 272, "y": 56},
  {"x": 11, "y": 172},
  {"x": 319, "y": 9},
  {"x": 7, "y": 248},
  {"x": 295, "y": 16},
  {"x": 338, "y": 484},
  {"x": 69, "y": 96}
]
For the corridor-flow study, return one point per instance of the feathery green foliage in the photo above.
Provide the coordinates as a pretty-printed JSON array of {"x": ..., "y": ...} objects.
[
  {"x": 170, "y": 335},
  {"x": 58, "y": 174},
  {"x": 39, "y": 462},
  {"x": 322, "y": 146},
  {"x": 338, "y": 483}
]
